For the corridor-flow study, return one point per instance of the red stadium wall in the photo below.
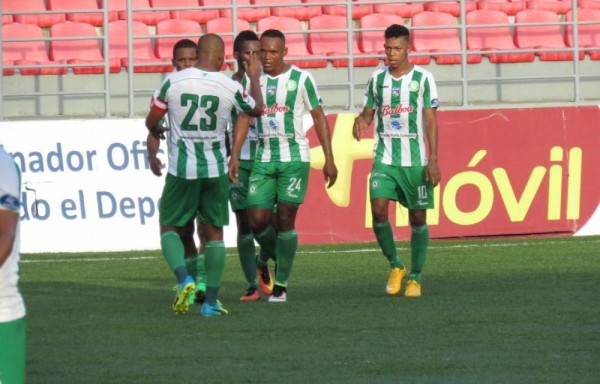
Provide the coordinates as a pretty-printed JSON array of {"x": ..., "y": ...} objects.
[{"x": 504, "y": 172}]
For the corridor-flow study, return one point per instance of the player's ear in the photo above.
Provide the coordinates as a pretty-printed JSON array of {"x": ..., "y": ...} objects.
[{"x": 285, "y": 51}]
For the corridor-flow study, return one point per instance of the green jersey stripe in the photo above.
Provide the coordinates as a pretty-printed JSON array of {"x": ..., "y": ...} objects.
[{"x": 181, "y": 159}]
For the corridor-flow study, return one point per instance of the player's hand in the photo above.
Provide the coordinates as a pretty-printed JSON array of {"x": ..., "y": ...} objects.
[
  {"x": 233, "y": 169},
  {"x": 330, "y": 172},
  {"x": 159, "y": 132},
  {"x": 252, "y": 67},
  {"x": 433, "y": 174},
  {"x": 155, "y": 165},
  {"x": 359, "y": 127}
]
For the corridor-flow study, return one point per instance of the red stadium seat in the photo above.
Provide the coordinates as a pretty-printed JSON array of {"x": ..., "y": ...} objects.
[
  {"x": 556, "y": 6},
  {"x": 79, "y": 51},
  {"x": 295, "y": 42},
  {"x": 200, "y": 16},
  {"x": 358, "y": 11},
  {"x": 452, "y": 7},
  {"x": 506, "y": 6},
  {"x": 189, "y": 29},
  {"x": 95, "y": 19},
  {"x": 27, "y": 52},
  {"x": 7, "y": 19},
  {"x": 42, "y": 19},
  {"x": 406, "y": 10},
  {"x": 143, "y": 53},
  {"x": 589, "y": 4},
  {"x": 334, "y": 43},
  {"x": 438, "y": 40},
  {"x": 146, "y": 17},
  {"x": 589, "y": 34},
  {"x": 248, "y": 14},
  {"x": 300, "y": 13},
  {"x": 494, "y": 38},
  {"x": 542, "y": 36},
  {"x": 371, "y": 42},
  {"x": 224, "y": 27}
]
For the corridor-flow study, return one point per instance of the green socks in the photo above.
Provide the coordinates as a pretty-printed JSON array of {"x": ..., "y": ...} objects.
[
  {"x": 247, "y": 253},
  {"x": 215, "y": 265},
  {"x": 266, "y": 239},
  {"x": 201, "y": 275},
  {"x": 287, "y": 243},
  {"x": 172, "y": 250},
  {"x": 419, "y": 242},
  {"x": 191, "y": 264},
  {"x": 385, "y": 238}
]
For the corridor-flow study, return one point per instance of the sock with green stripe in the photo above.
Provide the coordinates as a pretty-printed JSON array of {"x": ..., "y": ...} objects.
[
  {"x": 287, "y": 244},
  {"x": 172, "y": 250},
  {"x": 191, "y": 264},
  {"x": 385, "y": 239},
  {"x": 266, "y": 239},
  {"x": 247, "y": 253},
  {"x": 215, "y": 265},
  {"x": 419, "y": 242},
  {"x": 201, "y": 275}
]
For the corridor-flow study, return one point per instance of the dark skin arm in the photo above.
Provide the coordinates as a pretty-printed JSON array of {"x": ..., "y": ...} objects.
[
  {"x": 362, "y": 122},
  {"x": 153, "y": 123},
  {"x": 240, "y": 131},
  {"x": 253, "y": 69},
  {"x": 153, "y": 144},
  {"x": 8, "y": 232},
  {"x": 433, "y": 173},
  {"x": 324, "y": 134}
]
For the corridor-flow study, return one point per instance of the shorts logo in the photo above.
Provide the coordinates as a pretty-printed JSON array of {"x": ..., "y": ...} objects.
[
  {"x": 374, "y": 184},
  {"x": 291, "y": 85},
  {"x": 252, "y": 189},
  {"x": 234, "y": 196},
  {"x": 413, "y": 86}
]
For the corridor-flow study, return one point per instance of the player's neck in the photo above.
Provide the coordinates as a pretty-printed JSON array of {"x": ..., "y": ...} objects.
[
  {"x": 238, "y": 76},
  {"x": 284, "y": 68},
  {"x": 401, "y": 70}
]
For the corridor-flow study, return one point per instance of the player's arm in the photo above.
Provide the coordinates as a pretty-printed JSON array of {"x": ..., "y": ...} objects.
[
  {"x": 253, "y": 69},
  {"x": 433, "y": 173},
  {"x": 153, "y": 120},
  {"x": 8, "y": 232},
  {"x": 240, "y": 131},
  {"x": 152, "y": 145},
  {"x": 362, "y": 122},
  {"x": 324, "y": 134}
]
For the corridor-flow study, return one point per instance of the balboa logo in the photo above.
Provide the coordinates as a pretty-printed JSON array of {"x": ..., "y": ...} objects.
[
  {"x": 291, "y": 85},
  {"x": 386, "y": 110},
  {"x": 275, "y": 108},
  {"x": 413, "y": 86}
]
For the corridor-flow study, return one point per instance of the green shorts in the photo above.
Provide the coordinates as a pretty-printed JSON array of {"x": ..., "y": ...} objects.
[
  {"x": 406, "y": 185},
  {"x": 277, "y": 181},
  {"x": 183, "y": 199},
  {"x": 12, "y": 351},
  {"x": 238, "y": 192}
]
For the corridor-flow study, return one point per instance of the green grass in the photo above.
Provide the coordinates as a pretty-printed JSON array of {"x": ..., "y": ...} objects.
[{"x": 493, "y": 311}]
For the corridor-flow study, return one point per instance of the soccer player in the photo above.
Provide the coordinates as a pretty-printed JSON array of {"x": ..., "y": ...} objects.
[
  {"x": 282, "y": 162},
  {"x": 12, "y": 308},
  {"x": 401, "y": 100},
  {"x": 199, "y": 102},
  {"x": 185, "y": 55}
]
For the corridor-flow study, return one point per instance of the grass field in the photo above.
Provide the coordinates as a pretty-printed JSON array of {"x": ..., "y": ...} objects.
[{"x": 493, "y": 311}]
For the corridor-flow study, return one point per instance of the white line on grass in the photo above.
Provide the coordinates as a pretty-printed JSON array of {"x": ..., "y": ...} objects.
[{"x": 316, "y": 252}]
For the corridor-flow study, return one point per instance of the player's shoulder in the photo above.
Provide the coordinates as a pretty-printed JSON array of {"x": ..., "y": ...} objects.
[{"x": 425, "y": 72}]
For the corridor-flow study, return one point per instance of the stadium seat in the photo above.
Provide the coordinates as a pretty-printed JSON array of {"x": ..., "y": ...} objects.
[
  {"x": 494, "y": 38},
  {"x": 371, "y": 42},
  {"x": 95, "y": 19},
  {"x": 7, "y": 19},
  {"x": 506, "y": 6},
  {"x": 146, "y": 17},
  {"x": 188, "y": 29},
  {"x": 42, "y": 19},
  {"x": 295, "y": 42},
  {"x": 224, "y": 27},
  {"x": 143, "y": 53},
  {"x": 589, "y": 4},
  {"x": 406, "y": 10},
  {"x": 199, "y": 16},
  {"x": 589, "y": 34},
  {"x": 300, "y": 13},
  {"x": 451, "y": 7},
  {"x": 556, "y": 6},
  {"x": 248, "y": 14},
  {"x": 438, "y": 40},
  {"x": 358, "y": 11},
  {"x": 334, "y": 43},
  {"x": 79, "y": 51},
  {"x": 541, "y": 36},
  {"x": 27, "y": 52}
]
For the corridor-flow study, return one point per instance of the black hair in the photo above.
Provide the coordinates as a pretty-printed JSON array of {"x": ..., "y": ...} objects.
[
  {"x": 273, "y": 33},
  {"x": 242, "y": 37},
  {"x": 396, "y": 30},
  {"x": 184, "y": 43}
]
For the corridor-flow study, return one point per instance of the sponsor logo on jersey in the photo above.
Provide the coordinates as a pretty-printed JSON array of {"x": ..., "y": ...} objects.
[
  {"x": 413, "y": 86},
  {"x": 386, "y": 110},
  {"x": 291, "y": 85},
  {"x": 275, "y": 108},
  {"x": 272, "y": 124},
  {"x": 9, "y": 202},
  {"x": 271, "y": 89},
  {"x": 395, "y": 91},
  {"x": 396, "y": 124},
  {"x": 435, "y": 103}
]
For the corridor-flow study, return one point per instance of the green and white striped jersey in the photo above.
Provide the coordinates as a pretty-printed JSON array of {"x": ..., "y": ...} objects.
[
  {"x": 249, "y": 147},
  {"x": 287, "y": 98},
  {"x": 399, "y": 121},
  {"x": 199, "y": 105}
]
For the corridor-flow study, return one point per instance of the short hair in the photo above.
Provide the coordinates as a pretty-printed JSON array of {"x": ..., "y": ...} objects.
[
  {"x": 184, "y": 43},
  {"x": 242, "y": 37},
  {"x": 396, "y": 30},
  {"x": 273, "y": 33}
]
